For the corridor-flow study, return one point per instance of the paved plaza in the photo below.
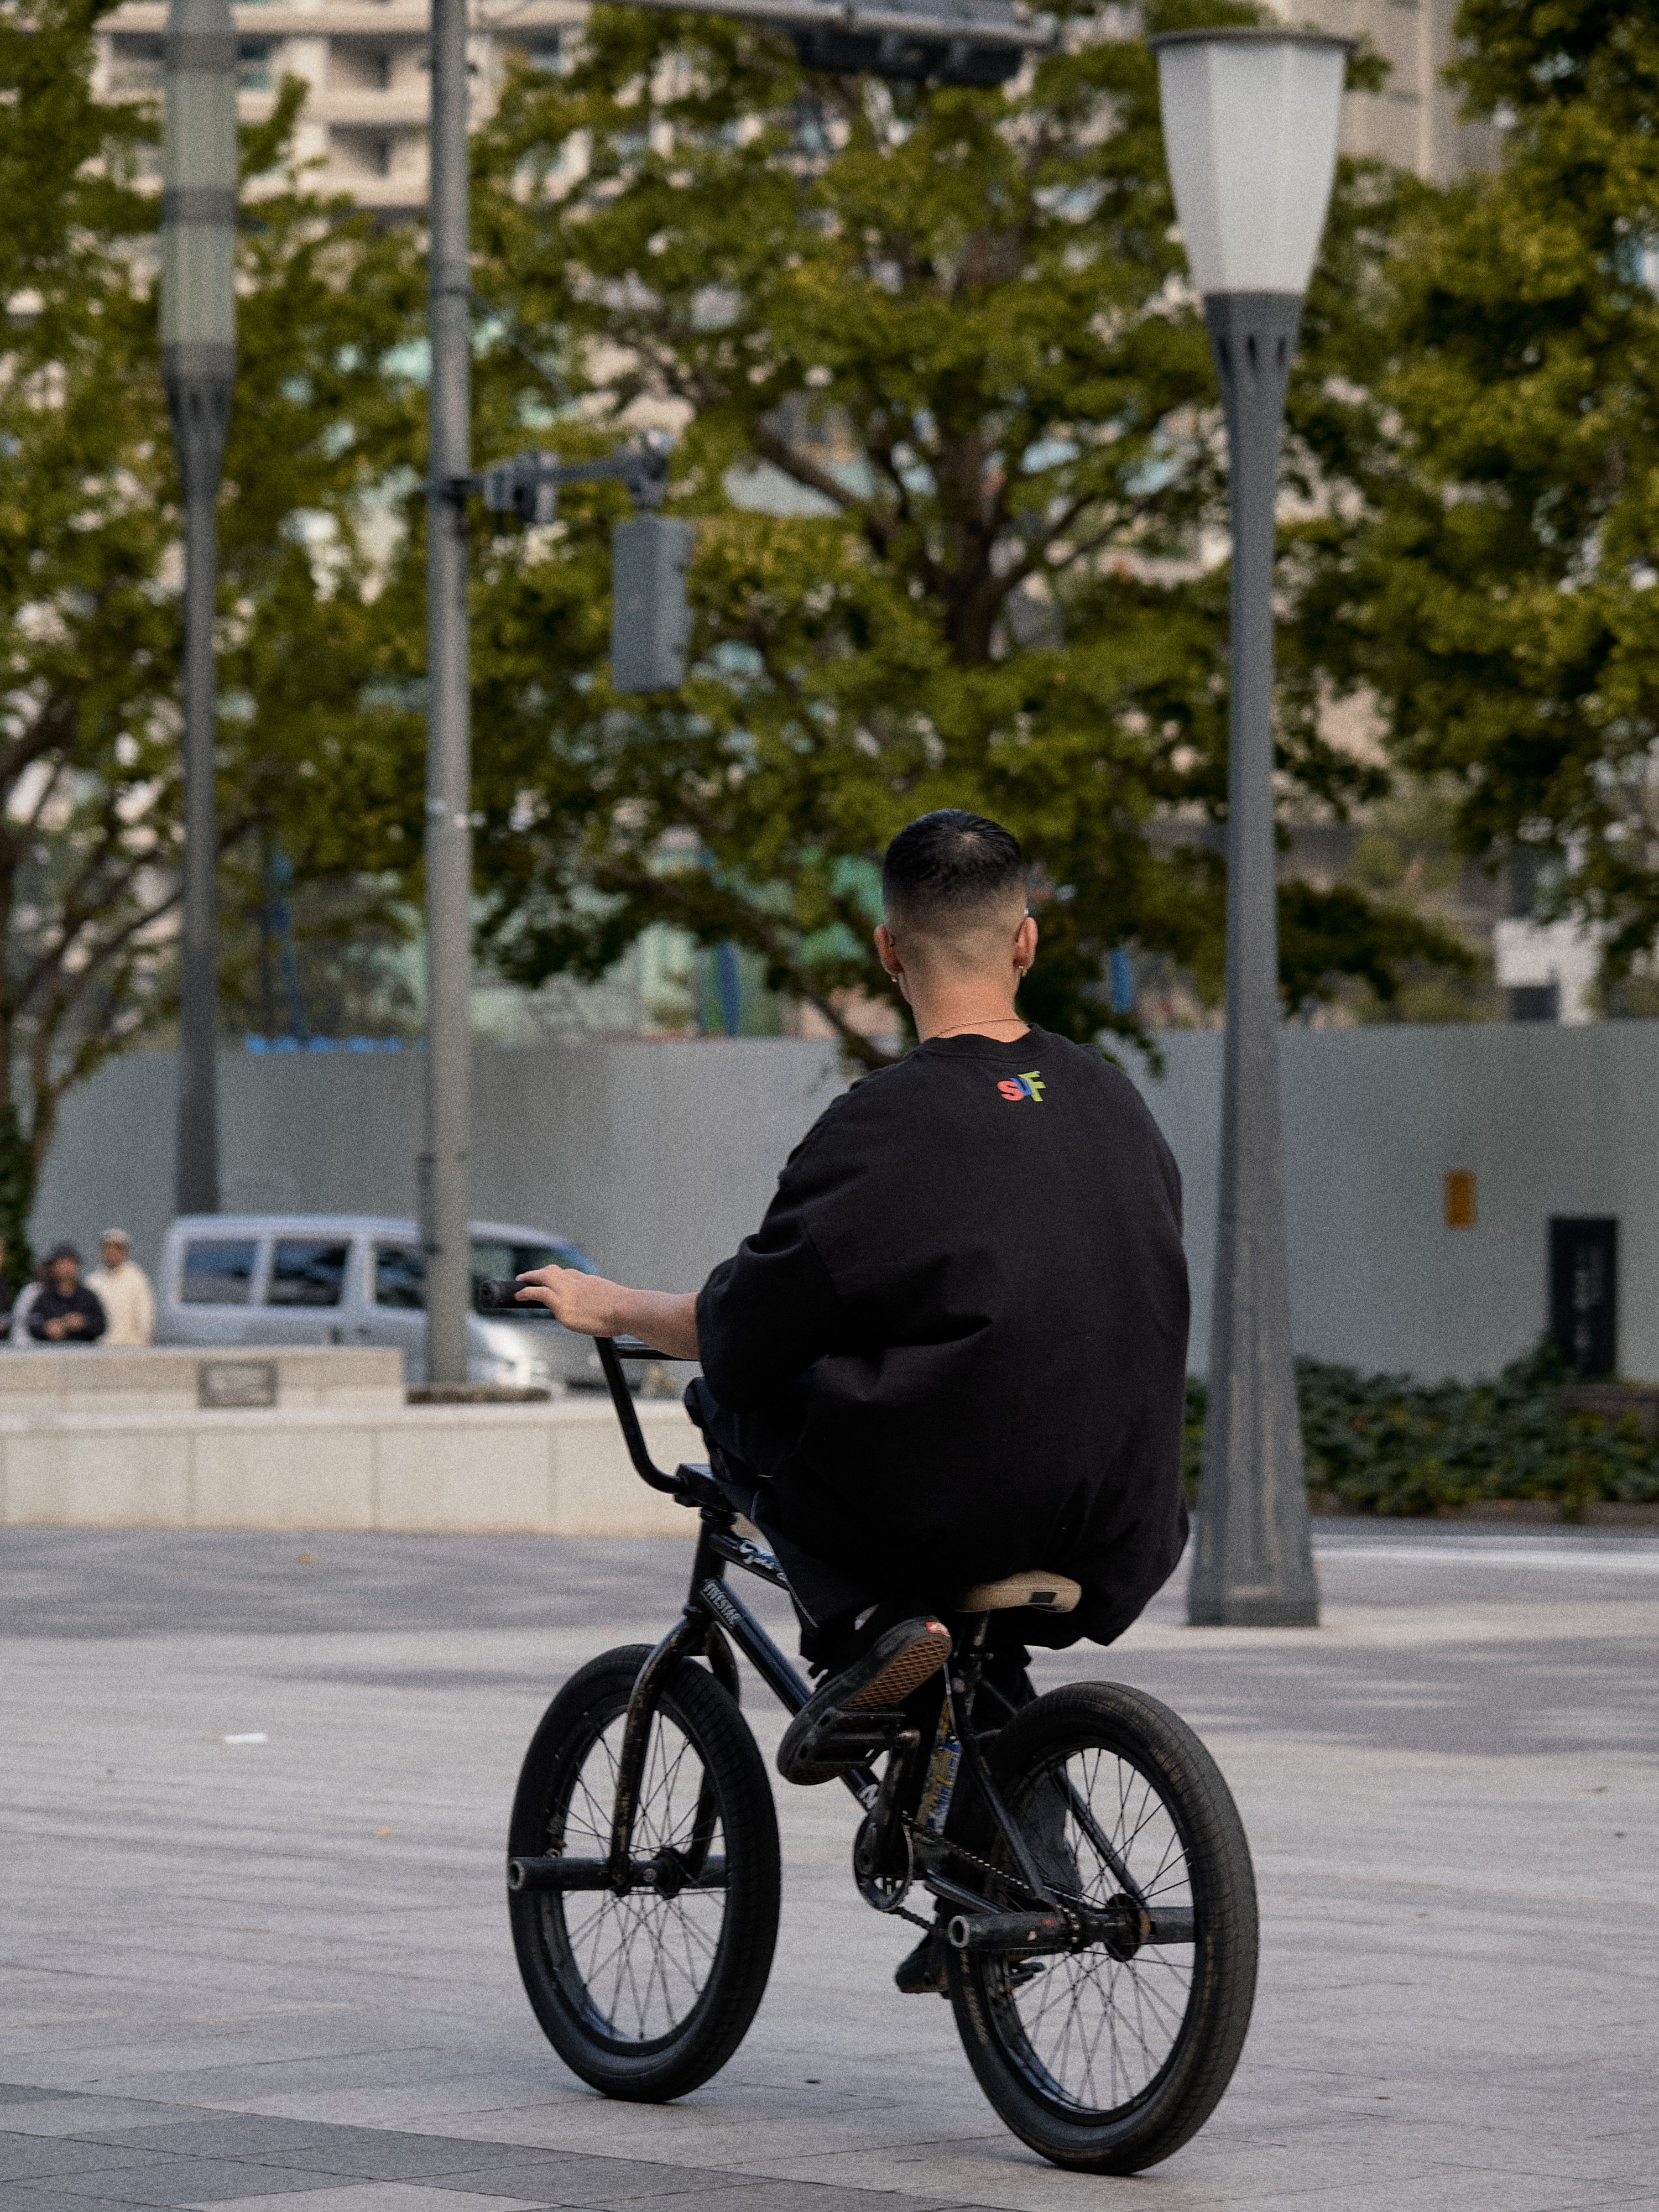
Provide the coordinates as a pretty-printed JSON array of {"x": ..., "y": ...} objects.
[{"x": 276, "y": 1971}]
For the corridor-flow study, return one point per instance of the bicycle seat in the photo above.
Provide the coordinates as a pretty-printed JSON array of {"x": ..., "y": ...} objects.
[{"x": 1042, "y": 1593}]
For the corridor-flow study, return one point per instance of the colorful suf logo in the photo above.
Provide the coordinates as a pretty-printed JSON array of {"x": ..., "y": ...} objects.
[{"x": 1029, "y": 1086}]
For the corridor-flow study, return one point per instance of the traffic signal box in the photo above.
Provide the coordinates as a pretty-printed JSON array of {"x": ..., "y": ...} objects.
[{"x": 650, "y": 620}]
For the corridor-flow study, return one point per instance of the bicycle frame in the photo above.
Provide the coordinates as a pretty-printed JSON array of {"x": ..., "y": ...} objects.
[{"x": 712, "y": 1614}]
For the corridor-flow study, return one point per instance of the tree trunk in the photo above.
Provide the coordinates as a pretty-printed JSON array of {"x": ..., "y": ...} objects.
[{"x": 16, "y": 1196}]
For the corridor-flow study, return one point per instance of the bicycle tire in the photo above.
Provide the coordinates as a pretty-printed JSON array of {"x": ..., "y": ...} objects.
[
  {"x": 691, "y": 1974},
  {"x": 1043, "y": 2034}
]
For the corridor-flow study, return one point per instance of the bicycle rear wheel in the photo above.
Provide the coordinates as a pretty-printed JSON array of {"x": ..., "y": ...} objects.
[
  {"x": 1107, "y": 2059},
  {"x": 646, "y": 1995}
]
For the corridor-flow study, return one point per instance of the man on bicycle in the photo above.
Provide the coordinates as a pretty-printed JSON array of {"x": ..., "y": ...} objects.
[{"x": 955, "y": 1349}]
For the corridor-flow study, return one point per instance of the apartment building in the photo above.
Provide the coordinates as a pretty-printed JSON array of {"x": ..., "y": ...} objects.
[
  {"x": 1412, "y": 122},
  {"x": 364, "y": 119},
  {"x": 365, "y": 61}
]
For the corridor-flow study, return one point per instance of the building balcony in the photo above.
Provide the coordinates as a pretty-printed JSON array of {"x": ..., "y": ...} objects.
[{"x": 391, "y": 19}]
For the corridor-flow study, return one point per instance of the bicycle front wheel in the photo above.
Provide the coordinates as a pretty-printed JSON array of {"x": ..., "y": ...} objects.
[
  {"x": 1109, "y": 2058},
  {"x": 647, "y": 1994}
]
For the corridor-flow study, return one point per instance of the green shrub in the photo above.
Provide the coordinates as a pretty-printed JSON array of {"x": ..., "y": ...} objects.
[{"x": 1384, "y": 1443}]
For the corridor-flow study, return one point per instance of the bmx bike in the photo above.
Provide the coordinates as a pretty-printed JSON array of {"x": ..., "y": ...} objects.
[{"x": 1082, "y": 1849}]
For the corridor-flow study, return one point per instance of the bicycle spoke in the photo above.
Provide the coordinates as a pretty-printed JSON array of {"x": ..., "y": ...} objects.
[
  {"x": 1098, "y": 2029},
  {"x": 638, "y": 1963}
]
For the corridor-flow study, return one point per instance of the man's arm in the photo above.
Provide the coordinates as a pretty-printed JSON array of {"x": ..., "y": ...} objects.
[{"x": 593, "y": 1307}]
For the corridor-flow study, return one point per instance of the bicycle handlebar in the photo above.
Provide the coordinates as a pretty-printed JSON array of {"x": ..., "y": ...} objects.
[{"x": 496, "y": 1295}]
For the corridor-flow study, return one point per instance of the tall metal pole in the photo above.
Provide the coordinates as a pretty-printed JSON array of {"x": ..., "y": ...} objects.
[
  {"x": 198, "y": 360},
  {"x": 448, "y": 758},
  {"x": 1254, "y": 1559}
]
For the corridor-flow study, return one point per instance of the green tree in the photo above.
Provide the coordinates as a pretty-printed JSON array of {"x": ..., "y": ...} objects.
[
  {"x": 943, "y": 335},
  {"x": 90, "y": 585},
  {"x": 1500, "y": 594}
]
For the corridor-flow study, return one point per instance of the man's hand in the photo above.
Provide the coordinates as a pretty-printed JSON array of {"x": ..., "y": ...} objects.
[
  {"x": 587, "y": 1304},
  {"x": 57, "y": 1330},
  {"x": 593, "y": 1307}
]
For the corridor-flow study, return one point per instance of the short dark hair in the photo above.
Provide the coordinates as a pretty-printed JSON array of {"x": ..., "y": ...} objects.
[{"x": 943, "y": 866}]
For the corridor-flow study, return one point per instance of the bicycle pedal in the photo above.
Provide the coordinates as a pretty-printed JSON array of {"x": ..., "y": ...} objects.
[
  {"x": 877, "y": 1728},
  {"x": 843, "y": 1739}
]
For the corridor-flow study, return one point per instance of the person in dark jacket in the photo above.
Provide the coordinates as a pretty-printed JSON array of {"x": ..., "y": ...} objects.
[
  {"x": 955, "y": 1347},
  {"x": 65, "y": 1312}
]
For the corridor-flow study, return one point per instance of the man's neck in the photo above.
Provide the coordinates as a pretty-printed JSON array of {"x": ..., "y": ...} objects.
[{"x": 966, "y": 1014}]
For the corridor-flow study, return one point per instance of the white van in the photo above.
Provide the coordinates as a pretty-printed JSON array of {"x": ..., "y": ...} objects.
[{"x": 357, "y": 1278}]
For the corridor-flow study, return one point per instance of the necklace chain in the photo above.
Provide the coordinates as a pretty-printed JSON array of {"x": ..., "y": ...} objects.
[{"x": 1001, "y": 1021}]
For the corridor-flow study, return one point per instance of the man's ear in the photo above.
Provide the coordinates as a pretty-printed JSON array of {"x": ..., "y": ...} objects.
[
  {"x": 887, "y": 951},
  {"x": 1025, "y": 944}
]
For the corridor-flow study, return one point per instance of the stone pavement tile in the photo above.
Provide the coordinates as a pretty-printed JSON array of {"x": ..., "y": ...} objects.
[
  {"x": 41, "y": 2197},
  {"x": 1448, "y": 2191},
  {"x": 721, "y": 2195},
  {"x": 21, "y": 2093},
  {"x": 566, "y": 2178},
  {"x": 219, "y": 2135},
  {"x": 73, "y": 2116},
  {"x": 167, "y": 2181},
  {"x": 381, "y": 2196},
  {"x": 389, "y": 2155},
  {"x": 1597, "y": 2157},
  {"x": 37, "y": 2158}
]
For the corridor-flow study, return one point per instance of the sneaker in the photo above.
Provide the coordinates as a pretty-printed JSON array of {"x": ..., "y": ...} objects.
[
  {"x": 921, "y": 1973},
  {"x": 895, "y": 1664}
]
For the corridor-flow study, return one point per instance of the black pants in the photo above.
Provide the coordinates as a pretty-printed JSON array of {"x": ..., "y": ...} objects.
[
  {"x": 839, "y": 1610},
  {"x": 746, "y": 1451}
]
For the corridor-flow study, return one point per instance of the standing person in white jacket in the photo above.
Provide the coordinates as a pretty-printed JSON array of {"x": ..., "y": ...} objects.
[{"x": 124, "y": 1291}]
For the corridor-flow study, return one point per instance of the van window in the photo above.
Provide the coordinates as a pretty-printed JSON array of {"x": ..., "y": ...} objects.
[
  {"x": 399, "y": 1277},
  {"x": 494, "y": 1259},
  {"x": 304, "y": 1273},
  {"x": 218, "y": 1272}
]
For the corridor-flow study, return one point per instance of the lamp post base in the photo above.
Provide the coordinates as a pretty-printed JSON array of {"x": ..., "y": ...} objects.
[{"x": 1244, "y": 1609}]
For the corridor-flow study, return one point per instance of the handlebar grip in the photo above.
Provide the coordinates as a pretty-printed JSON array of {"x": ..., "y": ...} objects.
[{"x": 495, "y": 1295}]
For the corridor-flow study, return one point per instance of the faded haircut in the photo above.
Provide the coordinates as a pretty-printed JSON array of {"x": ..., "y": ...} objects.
[{"x": 948, "y": 874}]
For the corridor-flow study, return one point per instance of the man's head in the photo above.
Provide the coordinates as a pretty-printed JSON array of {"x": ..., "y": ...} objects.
[
  {"x": 117, "y": 1245},
  {"x": 953, "y": 886},
  {"x": 63, "y": 1268}
]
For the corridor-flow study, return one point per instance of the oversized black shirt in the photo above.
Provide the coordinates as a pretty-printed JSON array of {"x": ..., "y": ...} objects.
[{"x": 973, "y": 1268}]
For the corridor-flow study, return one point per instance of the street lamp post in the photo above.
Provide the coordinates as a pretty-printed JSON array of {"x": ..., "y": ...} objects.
[
  {"x": 449, "y": 744},
  {"x": 1251, "y": 120},
  {"x": 198, "y": 365}
]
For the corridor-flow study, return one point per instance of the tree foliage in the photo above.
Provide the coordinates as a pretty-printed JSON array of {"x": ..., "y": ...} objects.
[
  {"x": 1501, "y": 596},
  {"x": 951, "y": 443},
  {"x": 90, "y": 577}
]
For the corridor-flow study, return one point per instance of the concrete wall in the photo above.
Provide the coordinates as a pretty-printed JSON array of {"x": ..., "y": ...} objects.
[
  {"x": 1550, "y": 1121},
  {"x": 659, "y": 1157}
]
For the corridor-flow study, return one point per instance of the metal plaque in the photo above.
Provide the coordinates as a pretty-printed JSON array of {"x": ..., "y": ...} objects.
[{"x": 228, "y": 1383}]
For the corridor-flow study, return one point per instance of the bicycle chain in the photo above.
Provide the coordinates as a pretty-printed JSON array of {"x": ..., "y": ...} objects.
[{"x": 973, "y": 1859}]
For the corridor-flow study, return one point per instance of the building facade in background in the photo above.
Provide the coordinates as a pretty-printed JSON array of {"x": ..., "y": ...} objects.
[
  {"x": 364, "y": 120},
  {"x": 1413, "y": 123}
]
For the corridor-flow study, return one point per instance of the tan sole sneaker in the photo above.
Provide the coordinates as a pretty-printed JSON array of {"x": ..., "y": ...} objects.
[
  {"x": 907, "y": 1670},
  {"x": 895, "y": 1664}
]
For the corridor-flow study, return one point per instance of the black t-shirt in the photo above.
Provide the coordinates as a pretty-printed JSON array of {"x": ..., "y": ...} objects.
[{"x": 973, "y": 1265}]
